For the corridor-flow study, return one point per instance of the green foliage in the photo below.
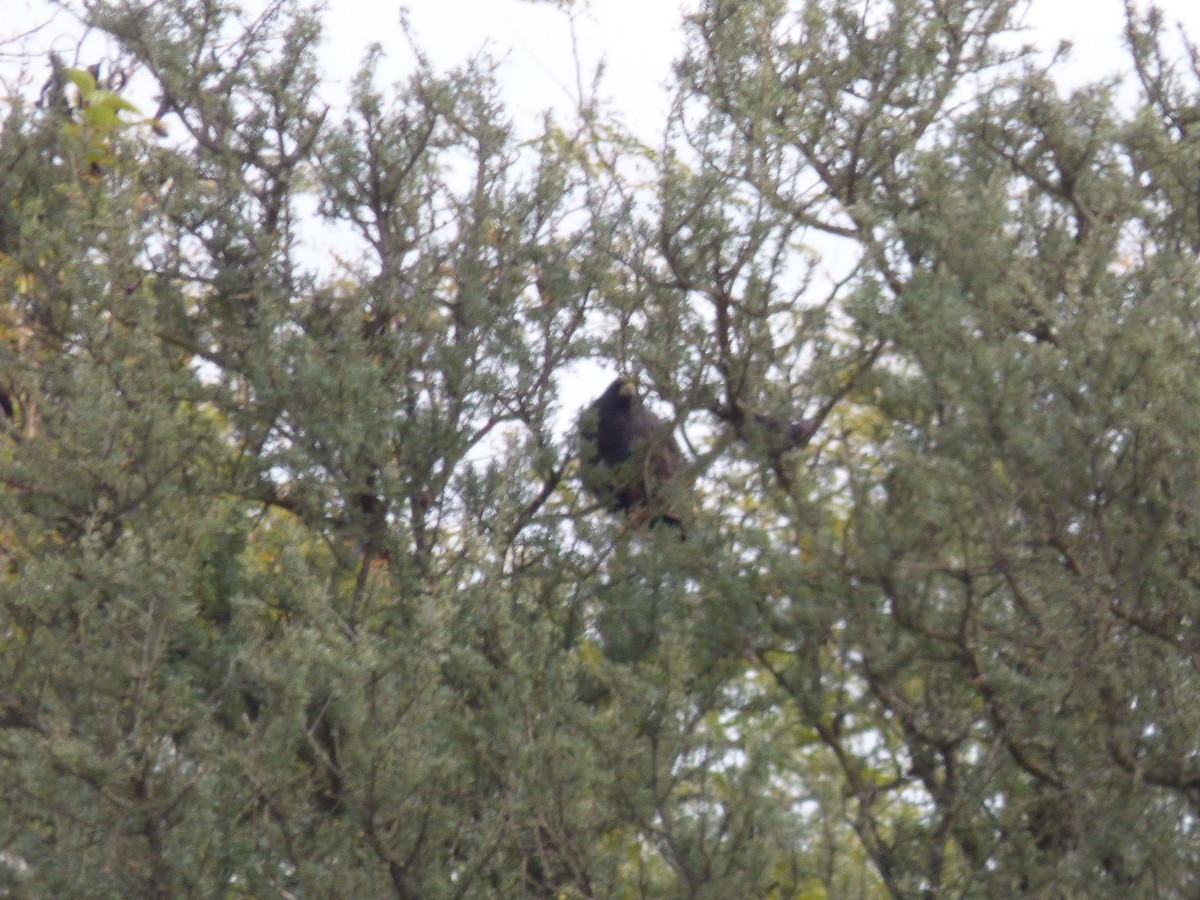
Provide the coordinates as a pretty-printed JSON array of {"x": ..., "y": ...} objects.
[{"x": 298, "y": 593}]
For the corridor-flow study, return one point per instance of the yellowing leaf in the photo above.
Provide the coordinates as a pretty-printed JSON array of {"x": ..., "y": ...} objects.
[{"x": 82, "y": 79}]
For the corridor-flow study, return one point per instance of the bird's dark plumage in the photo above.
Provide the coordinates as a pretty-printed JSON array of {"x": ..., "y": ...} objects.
[{"x": 627, "y": 455}]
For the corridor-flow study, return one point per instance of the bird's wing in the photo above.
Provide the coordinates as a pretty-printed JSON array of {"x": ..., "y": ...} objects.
[{"x": 662, "y": 460}]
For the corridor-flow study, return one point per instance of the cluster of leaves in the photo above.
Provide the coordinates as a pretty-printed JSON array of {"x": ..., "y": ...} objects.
[{"x": 296, "y": 594}]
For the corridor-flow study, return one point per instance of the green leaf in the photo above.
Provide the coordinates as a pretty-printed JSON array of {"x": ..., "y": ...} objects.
[
  {"x": 82, "y": 79},
  {"x": 113, "y": 101}
]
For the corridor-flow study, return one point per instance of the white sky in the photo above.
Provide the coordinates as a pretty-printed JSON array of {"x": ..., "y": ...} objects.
[
  {"x": 637, "y": 38},
  {"x": 640, "y": 38}
]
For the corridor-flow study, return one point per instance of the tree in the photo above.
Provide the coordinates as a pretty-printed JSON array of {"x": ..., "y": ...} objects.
[{"x": 300, "y": 596}]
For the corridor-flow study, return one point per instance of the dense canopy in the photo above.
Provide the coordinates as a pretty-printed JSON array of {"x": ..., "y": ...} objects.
[{"x": 300, "y": 595}]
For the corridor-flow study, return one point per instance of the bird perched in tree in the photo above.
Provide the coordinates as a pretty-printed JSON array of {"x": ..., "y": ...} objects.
[{"x": 627, "y": 455}]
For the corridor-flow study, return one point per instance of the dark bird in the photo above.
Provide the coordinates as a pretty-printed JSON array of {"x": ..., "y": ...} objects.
[{"x": 627, "y": 455}]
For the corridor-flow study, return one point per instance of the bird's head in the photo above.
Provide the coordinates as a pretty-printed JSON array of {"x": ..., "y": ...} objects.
[{"x": 621, "y": 394}]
